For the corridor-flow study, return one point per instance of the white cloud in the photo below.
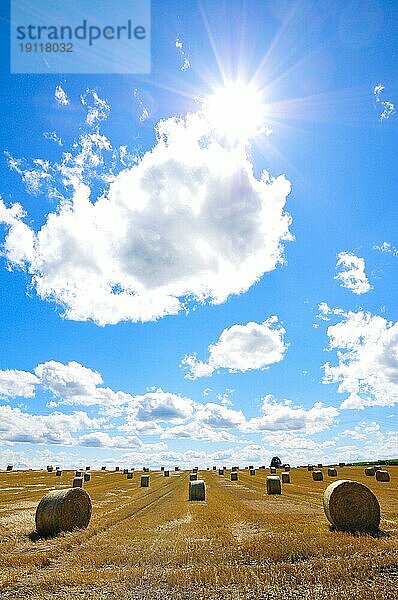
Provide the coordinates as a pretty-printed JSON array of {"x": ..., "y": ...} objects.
[
  {"x": 97, "y": 108},
  {"x": 367, "y": 355},
  {"x": 186, "y": 63},
  {"x": 352, "y": 275},
  {"x": 189, "y": 223},
  {"x": 61, "y": 96},
  {"x": 52, "y": 135},
  {"x": 284, "y": 416},
  {"x": 15, "y": 383},
  {"x": 363, "y": 431},
  {"x": 55, "y": 428},
  {"x": 144, "y": 111},
  {"x": 217, "y": 416},
  {"x": 386, "y": 247},
  {"x": 388, "y": 107},
  {"x": 101, "y": 439},
  {"x": 159, "y": 406},
  {"x": 196, "y": 431},
  {"x": 241, "y": 348}
]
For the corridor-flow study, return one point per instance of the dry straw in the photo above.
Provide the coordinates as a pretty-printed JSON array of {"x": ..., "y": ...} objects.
[
  {"x": 144, "y": 480},
  {"x": 317, "y": 475},
  {"x": 273, "y": 484},
  {"x": 369, "y": 471},
  {"x": 351, "y": 506},
  {"x": 197, "y": 490},
  {"x": 332, "y": 472},
  {"x": 382, "y": 475},
  {"x": 63, "y": 510},
  {"x": 234, "y": 476},
  {"x": 285, "y": 477}
]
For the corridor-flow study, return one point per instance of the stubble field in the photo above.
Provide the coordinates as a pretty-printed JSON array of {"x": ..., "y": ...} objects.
[{"x": 154, "y": 543}]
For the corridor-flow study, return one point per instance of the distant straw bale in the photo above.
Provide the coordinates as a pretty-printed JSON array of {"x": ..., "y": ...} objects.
[
  {"x": 273, "y": 484},
  {"x": 234, "y": 476},
  {"x": 286, "y": 477},
  {"x": 351, "y": 506},
  {"x": 221, "y": 471},
  {"x": 197, "y": 490},
  {"x": 129, "y": 474},
  {"x": 369, "y": 471},
  {"x": 382, "y": 475},
  {"x": 252, "y": 471},
  {"x": 166, "y": 473},
  {"x": 332, "y": 472},
  {"x": 77, "y": 482},
  {"x": 317, "y": 475},
  {"x": 63, "y": 510},
  {"x": 145, "y": 481},
  {"x": 193, "y": 476},
  {"x": 87, "y": 476}
]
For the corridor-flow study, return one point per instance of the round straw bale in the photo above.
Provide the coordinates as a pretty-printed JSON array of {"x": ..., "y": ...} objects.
[
  {"x": 144, "y": 480},
  {"x": 117, "y": 468},
  {"x": 176, "y": 468},
  {"x": 382, "y": 475},
  {"x": 234, "y": 476},
  {"x": 58, "y": 473},
  {"x": 88, "y": 468},
  {"x": 273, "y": 484},
  {"x": 63, "y": 510},
  {"x": 50, "y": 468},
  {"x": 162, "y": 469},
  {"x": 286, "y": 477},
  {"x": 252, "y": 471},
  {"x": 166, "y": 473},
  {"x": 193, "y": 476},
  {"x": 125, "y": 471},
  {"x": 221, "y": 471},
  {"x": 332, "y": 472},
  {"x": 369, "y": 471},
  {"x": 9, "y": 467},
  {"x": 310, "y": 467},
  {"x": 351, "y": 506},
  {"x": 78, "y": 474},
  {"x": 250, "y": 467},
  {"x": 317, "y": 475},
  {"x": 129, "y": 474},
  {"x": 197, "y": 490},
  {"x": 341, "y": 464},
  {"x": 103, "y": 468},
  {"x": 320, "y": 465},
  {"x": 214, "y": 468},
  {"x": 87, "y": 476},
  {"x": 77, "y": 482},
  {"x": 272, "y": 470},
  {"x": 286, "y": 467}
]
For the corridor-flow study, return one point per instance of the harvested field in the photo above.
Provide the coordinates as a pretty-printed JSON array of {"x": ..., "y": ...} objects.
[{"x": 154, "y": 543}]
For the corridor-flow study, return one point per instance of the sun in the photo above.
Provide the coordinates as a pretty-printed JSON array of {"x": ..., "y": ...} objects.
[{"x": 236, "y": 111}]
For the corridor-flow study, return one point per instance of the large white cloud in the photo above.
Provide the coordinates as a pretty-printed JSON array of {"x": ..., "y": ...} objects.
[
  {"x": 367, "y": 360},
  {"x": 352, "y": 274},
  {"x": 55, "y": 428},
  {"x": 189, "y": 222},
  {"x": 284, "y": 416},
  {"x": 241, "y": 348}
]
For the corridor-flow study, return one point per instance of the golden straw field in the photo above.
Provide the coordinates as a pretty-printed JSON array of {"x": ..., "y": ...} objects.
[{"x": 154, "y": 543}]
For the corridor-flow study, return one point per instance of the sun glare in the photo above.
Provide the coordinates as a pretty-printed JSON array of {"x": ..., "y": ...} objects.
[{"x": 236, "y": 111}]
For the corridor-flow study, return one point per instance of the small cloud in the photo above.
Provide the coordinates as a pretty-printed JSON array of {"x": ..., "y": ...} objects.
[
  {"x": 97, "y": 108},
  {"x": 352, "y": 275},
  {"x": 60, "y": 96},
  {"x": 144, "y": 112},
  {"x": 387, "y": 248},
  {"x": 52, "y": 136},
  {"x": 185, "y": 64},
  {"x": 388, "y": 107}
]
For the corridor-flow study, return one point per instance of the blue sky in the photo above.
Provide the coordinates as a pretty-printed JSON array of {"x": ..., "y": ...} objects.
[{"x": 199, "y": 266}]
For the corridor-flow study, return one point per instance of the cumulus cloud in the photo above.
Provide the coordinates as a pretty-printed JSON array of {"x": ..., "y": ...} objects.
[
  {"x": 241, "y": 348},
  {"x": 55, "y": 428},
  {"x": 14, "y": 383},
  {"x": 352, "y": 274},
  {"x": 285, "y": 416},
  {"x": 159, "y": 406},
  {"x": 367, "y": 360},
  {"x": 189, "y": 223},
  {"x": 196, "y": 431},
  {"x": 61, "y": 96}
]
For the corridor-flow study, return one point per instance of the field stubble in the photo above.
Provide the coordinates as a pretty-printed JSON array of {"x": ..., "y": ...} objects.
[{"x": 154, "y": 543}]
